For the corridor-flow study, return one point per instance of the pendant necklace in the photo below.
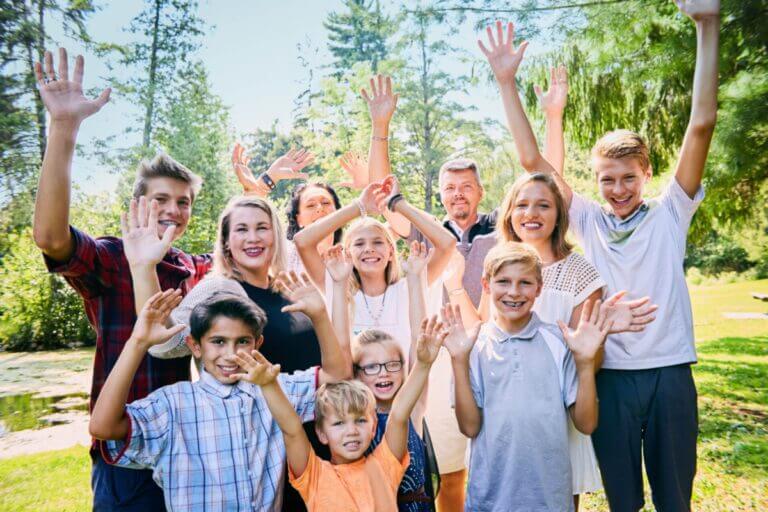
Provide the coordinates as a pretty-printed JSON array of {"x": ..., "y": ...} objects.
[{"x": 376, "y": 317}]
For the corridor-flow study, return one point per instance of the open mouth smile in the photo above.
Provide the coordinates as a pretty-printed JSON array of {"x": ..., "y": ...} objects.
[{"x": 253, "y": 252}]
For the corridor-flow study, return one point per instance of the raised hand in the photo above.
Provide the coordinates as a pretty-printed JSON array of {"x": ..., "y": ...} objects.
[
  {"x": 370, "y": 198},
  {"x": 699, "y": 9},
  {"x": 141, "y": 243},
  {"x": 381, "y": 102},
  {"x": 256, "y": 369},
  {"x": 431, "y": 337},
  {"x": 62, "y": 97},
  {"x": 585, "y": 342},
  {"x": 459, "y": 342},
  {"x": 502, "y": 56},
  {"x": 150, "y": 328},
  {"x": 338, "y": 263},
  {"x": 390, "y": 187},
  {"x": 418, "y": 258},
  {"x": 250, "y": 184},
  {"x": 287, "y": 167},
  {"x": 629, "y": 315},
  {"x": 304, "y": 295},
  {"x": 357, "y": 168},
  {"x": 553, "y": 101}
]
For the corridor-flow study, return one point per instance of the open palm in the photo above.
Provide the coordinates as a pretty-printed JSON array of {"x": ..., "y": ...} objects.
[
  {"x": 141, "y": 244},
  {"x": 381, "y": 102},
  {"x": 338, "y": 263},
  {"x": 304, "y": 296},
  {"x": 502, "y": 55},
  {"x": 431, "y": 338},
  {"x": 357, "y": 168},
  {"x": 150, "y": 327},
  {"x": 459, "y": 342},
  {"x": 699, "y": 9}
]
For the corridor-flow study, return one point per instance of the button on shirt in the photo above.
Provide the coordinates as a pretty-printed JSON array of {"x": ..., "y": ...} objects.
[
  {"x": 644, "y": 254},
  {"x": 213, "y": 446},
  {"x": 523, "y": 383}
]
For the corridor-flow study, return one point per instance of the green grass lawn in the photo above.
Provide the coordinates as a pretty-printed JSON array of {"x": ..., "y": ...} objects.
[{"x": 732, "y": 379}]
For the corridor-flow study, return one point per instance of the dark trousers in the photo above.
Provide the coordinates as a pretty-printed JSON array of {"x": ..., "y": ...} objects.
[
  {"x": 116, "y": 488},
  {"x": 653, "y": 412}
]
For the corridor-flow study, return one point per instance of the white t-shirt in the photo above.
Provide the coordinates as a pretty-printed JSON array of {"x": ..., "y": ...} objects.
[{"x": 644, "y": 255}]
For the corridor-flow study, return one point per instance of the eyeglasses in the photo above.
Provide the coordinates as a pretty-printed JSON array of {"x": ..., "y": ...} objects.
[{"x": 375, "y": 368}]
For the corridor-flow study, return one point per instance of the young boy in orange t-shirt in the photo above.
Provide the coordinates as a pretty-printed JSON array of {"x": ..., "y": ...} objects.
[{"x": 345, "y": 419}]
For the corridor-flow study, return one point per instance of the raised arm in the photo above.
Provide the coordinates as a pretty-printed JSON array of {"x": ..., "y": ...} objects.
[
  {"x": 553, "y": 104},
  {"x": 457, "y": 295},
  {"x": 698, "y": 135},
  {"x": 415, "y": 274},
  {"x": 339, "y": 266},
  {"x": 505, "y": 60},
  {"x": 335, "y": 358},
  {"x": 390, "y": 198},
  {"x": 108, "y": 419},
  {"x": 459, "y": 344},
  {"x": 310, "y": 236},
  {"x": 430, "y": 339},
  {"x": 286, "y": 167},
  {"x": 68, "y": 108},
  {"x": 259, "y": 371}
]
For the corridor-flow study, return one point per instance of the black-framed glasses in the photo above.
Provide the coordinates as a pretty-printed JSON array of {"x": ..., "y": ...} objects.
[{"x": 375, "y": 368}]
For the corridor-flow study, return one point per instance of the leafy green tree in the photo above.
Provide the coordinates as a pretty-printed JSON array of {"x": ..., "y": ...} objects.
[{"x": 358, "y": 34}]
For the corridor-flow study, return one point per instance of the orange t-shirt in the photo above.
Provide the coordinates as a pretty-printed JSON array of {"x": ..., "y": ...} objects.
[{"x": 367, "y": 485}]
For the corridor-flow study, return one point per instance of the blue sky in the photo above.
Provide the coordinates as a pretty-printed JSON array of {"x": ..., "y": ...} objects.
[{"x": 251, "y": 53}]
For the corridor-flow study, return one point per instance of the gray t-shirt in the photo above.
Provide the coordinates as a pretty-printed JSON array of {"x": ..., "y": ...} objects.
[
  {"x": 524, "y": 383},
  {"x": 644, "y": 254}
]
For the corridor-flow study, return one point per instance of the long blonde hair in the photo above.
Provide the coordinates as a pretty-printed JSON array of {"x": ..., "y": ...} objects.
[
  {"x": 223, "y": 264},
  {"x": 392, "y": 270}
]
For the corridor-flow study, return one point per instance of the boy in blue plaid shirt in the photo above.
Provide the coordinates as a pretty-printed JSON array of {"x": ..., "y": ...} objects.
[{"x": 212, "y": 444}]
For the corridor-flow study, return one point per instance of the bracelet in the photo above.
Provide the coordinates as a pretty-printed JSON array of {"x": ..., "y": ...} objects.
[
  {"x": 393, "y": 201},
  {"x": 456, "y": 291},
  {"x": 382, "y": 139},
  {"x": 267, "y": 180},
  {"x": 363, "y": 213}
]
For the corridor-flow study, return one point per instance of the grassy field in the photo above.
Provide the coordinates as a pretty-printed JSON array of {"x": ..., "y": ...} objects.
[{"x": 732, "y": 379}]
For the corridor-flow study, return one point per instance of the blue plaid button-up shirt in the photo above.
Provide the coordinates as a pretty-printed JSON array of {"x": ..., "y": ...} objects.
[{"x": 210, "y": 445}]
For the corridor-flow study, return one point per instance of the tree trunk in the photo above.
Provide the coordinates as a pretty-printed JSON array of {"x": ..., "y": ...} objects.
[
  {"x": 426, "y": 150},
  {"x": 42, "y": 137},
  {"x": 150, "y": 106}
]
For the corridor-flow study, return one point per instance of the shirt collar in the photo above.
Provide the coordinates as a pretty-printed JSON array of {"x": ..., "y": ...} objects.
[
  {"x": 499, "y": 335},
  {"x": 210, "y": 384},
  {"x": 619, "y": 221}
]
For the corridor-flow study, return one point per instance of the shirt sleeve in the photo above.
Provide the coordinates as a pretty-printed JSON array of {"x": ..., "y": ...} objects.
[
  {"x": 148, "y": 434},
  {"x": 393, "y": 468},
  {"x": 475, "y": 377},
  {"x": 586, "y": 279},
  {"x": 300, "y": 389},
  {"x": 92, "y": 266},
  {"x": 306, "y": 484},
  {"x": 580, "y": 214},
  {"x": 570, "y": 380},
  {"x": 680, "y": 206}
]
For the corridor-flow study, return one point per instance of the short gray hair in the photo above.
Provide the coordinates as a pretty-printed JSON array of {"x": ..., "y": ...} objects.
[{"x": 456, "y": 165}]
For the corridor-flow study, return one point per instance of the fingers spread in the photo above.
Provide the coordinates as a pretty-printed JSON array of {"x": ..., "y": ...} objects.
[{"x": 63, "y": 64}]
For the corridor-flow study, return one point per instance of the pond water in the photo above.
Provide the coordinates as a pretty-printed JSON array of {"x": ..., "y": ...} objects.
[{"x": 29, "y": 411}]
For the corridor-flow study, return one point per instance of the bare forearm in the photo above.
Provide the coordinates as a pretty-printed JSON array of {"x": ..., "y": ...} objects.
[
  {"x": 442, "y": 240},
  {"x": 468, "y": 414},
  {"x": 51, "y": 220},
  {"x": 469, "y": 314},
  {"x": 554, "y": 145},
  {"x": 145, "y": 285},
  {"x": 340, "y": 318},
  {"x": 378, "y": 152},
  {"x": 522, "y": 134},
  {"x": 335, "y": 360},
  {"x": 584, "y": 412},
  {"x": 282, "y": 410},
  {"x": 108, "y": 420},
  {"x": 417, "y": 308}
]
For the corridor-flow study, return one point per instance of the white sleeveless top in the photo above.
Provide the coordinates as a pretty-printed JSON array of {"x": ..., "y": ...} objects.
[{"x": 567, "y": 283}]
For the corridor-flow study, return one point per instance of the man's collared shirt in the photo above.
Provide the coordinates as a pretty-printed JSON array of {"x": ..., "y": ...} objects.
[
  {"x": 99, "y": 273},
  {"x": 213, "y": 446}
]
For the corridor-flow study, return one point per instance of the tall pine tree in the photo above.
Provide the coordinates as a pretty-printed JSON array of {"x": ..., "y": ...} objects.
[{"x": 358, "y": 34}]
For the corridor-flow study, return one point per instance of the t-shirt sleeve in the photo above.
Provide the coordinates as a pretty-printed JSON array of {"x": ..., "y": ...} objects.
[
  {"x": 300, "y": 389},
  {"x": 586, "y": 279},
  {"x": 394, "y": 469},
  {"x": 680, "y": 206},
  {"x": 475, "y": 378},
  {"x": 148, "y": 434},
  {"x": 570, "y": 380},
  {"x": 581, "y": 214},
  {"x": 307, "y": 483}
]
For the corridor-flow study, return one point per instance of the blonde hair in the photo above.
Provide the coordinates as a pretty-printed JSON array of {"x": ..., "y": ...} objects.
[
  {"x": 223, "y": 264},
  {"x": 620, "y": 144},
  {"x": 560, "y": 246},
  {"x": 392, "y": 270},
  {"x": 508, "y": 253},
  {"x": 370, "y": 337},
  {"x": 342, "y": 398},
  {"x": 163, "y": 166}
]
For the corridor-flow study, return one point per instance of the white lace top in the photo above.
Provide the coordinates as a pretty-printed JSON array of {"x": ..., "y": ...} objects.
[{"x": 567, "y": 283}]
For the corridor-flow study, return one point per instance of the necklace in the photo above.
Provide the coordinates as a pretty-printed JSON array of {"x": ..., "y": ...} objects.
[{"x": 376, "y": 317}]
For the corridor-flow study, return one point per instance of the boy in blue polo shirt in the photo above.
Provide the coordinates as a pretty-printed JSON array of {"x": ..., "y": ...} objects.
[{"x": 515, "y": 386}]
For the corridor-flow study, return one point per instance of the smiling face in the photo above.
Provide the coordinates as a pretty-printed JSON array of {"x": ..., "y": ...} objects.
[
  {"x": 251, "y": 239},
  {"x": 534, "y": 213},
  {"x": 387, "y": 382},
  {"x": 347, "y": 435},
  {"x": 460, "y": 193},
  {"x": 513, "y": 290},
  {"x": 621, "y": 182},
  {"x": 219, "y": 345},
  {"x": 370, "y": 250},
  {"x": 315, "y": 203},
  {"x": 174, "y": 198}
]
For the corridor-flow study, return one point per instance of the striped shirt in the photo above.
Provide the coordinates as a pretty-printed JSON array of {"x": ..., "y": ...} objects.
[{"x": 213, "y": 446}]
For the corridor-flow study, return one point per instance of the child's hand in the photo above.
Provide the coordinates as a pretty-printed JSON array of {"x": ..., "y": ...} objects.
[
  {"x": 141, "y": 244},
  {"x": 502, "y": 56},
  {"x": 431, "y": 338},
  {"x": 381, "y": 102},
  {"x": 150, "y": 328},
  {"x": 304, "y": 295},
  {"x": 338, "y": 263},
  {"x": 459, "y": 342},
  {"x": 699, "y": 9},
  {"x": 588, "y": 338},
  {"x": 357, "y": 168},
  {"x": 418, "y": 258},
  {"x": 257, "y": 369},
  {"x": 553, "y": 101},
  {"x": 629, "y": 315},
  {"x": 369, "y": 198},
  {"x": 389, "y": 188}
]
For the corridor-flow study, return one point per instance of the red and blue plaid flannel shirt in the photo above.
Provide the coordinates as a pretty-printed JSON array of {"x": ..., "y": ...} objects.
[{"x": 99, "y": 272}]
